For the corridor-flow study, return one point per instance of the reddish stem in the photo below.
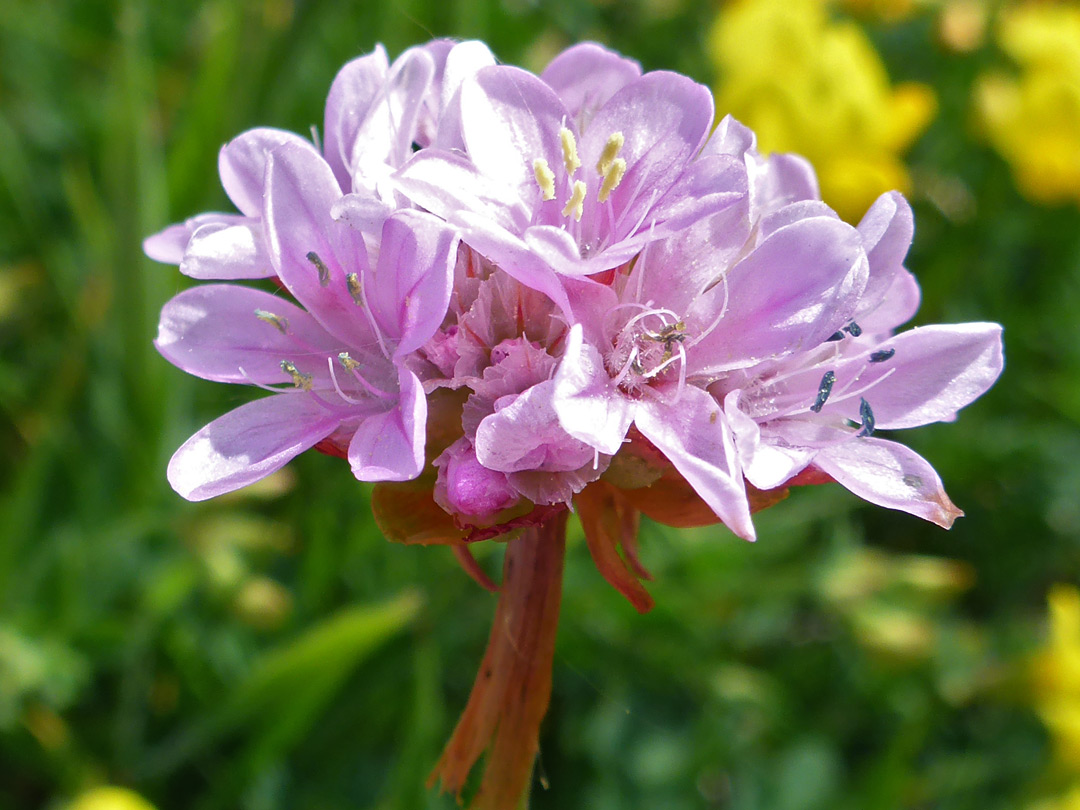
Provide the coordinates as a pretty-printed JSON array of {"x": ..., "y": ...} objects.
[{"x": 512, "y": 689}]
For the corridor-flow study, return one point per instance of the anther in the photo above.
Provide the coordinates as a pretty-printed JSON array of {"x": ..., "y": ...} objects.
[
  {"x": 347, "y": 362},
  {"x": 279, "y": 323},
  {"x": 302, "y": 381},
  {"x": 614, "y": 143},
  {"x": 324, "y": 271},
  {"x": 569, "y": 150},
  {"x": 545, "y": 178},
  {"x": 834, "y": 337},
  {"x": 612, "y": 177},
  {"x": 881, "y": 356},
  {"x": 825, "y": 387},
  {"x": 576, "y": 204},
  {"x": 853, "y": 329},
  {"x": 867, "y": 417},
  {"x": 352, "y": 281}
]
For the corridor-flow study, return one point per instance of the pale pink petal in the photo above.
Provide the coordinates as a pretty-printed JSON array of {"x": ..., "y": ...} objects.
[
  {"x": 703, "y": 254},
  {"x": 463, "y": 62},
  {"x": 384, "y": 139},
  {"x": 792, "y": 213},
  {"x": 409, "y": 288},
  {"x": 242, "y": 165},
  {"x": 731, "y": 137},
  {"x": 783, "y": 449},
  {"x": 695, "y": 436},
  {"x": 887, "y": 229},
  {"x": 213, "y": 331},
  {"x": 389, "y": 446},
  {"x": 585, "y": 76},
  {"x": 301, "y": 192},
  {"x": 354, "y": 90},
  {"x": 249, "y": 443},
  {"x": 780, "y": 180},
  {"x": 447, "y": 184},
  {"x": 526, "y": 435},
  {"x": 218, "y": 251},
  {"x": 935, "y": 371},
  {"x": 365, "y": 213},
  {"x": 557, "y": 248},
  {"x": 168, "y": 245},
  {"x": 513, "y": 255},
  {"x": 509, "y": 118},
  {"x": 590, "y": 408},
  {"x": 897, "y": 306},
  {"x": 792, "y": 292},
  {"x": 890, "y": 475},
  {"x": 664, "y": 119},
  {"x": 708, "y": 186}
]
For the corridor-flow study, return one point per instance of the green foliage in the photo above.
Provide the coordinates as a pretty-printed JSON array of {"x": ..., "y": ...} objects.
[{"x": 271, "y": 650}]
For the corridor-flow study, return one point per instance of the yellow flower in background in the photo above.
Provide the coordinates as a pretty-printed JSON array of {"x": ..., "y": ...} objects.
[
  {"x": 811, "y": 85},
  {"x": 1067, "y": 801},
  {"x": 1033, "y": 118},
  {"x": 886, "y": 9},
  {"x": 110, "y": 798},
  {"x": 1056, "y": 673}
]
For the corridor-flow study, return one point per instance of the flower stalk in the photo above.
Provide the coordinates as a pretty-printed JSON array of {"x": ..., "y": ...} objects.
[{"x": 513, "y": 687}]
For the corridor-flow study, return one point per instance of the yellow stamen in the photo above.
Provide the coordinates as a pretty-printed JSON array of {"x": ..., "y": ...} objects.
[
  {"x": 302, "y": 381},
  {"x": 545, "y": 178},
  {"x": 348, "y": 362},
  {"x": 569, "y": 150},
  {"x": 612, "y": 177},
  {"x": 352, "y": 281},
  {"x": 279, "y": 323},
  {"x": 611, "y": 150},
  {"x": 575, "y": 204}
]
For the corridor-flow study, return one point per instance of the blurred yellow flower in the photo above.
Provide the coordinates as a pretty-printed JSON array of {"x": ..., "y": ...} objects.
[
  {"x": 1033, "y": 118},
  {"x": 886, "y": 9},
  {"x": 811, "y": 85},
  {"x": 110, "y": 798},
  {"x": 1056, "y": 672},
  {"x": 1067, "y": 801}
]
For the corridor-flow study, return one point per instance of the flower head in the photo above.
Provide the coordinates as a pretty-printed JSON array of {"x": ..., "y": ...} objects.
[
  {"x": 560, "y": 179},
  {"x": 338, "y": 351},
  {"x": 505, "y": 296}
]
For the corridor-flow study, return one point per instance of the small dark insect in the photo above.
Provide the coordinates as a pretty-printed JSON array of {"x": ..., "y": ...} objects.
[
  {"x": 823, "y": 391},
  {"x": 853, "y": 329},
  {"x": 324, "y": 271},
  {"x": 669, "y": 335},
  {"x": 867, "y": 417},
  {"x": 882, "y": 356}
]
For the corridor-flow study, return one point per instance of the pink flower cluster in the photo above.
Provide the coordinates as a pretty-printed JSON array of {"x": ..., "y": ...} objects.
[{"x": 592, "y": 273}]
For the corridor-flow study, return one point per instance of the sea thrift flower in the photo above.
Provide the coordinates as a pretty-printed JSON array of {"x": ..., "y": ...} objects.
[
  {"x": 1033, "y": 119},
  {"x": 341, "y": 350},
  {"x": 689, "y": 309},
  {"x": 816, "y": 87},
  {"x": 506, "y": 296},
  {"x": 815, "y": 406},
  {"x": 566, "y": 184},
  {"x": 375, "y": 113}
]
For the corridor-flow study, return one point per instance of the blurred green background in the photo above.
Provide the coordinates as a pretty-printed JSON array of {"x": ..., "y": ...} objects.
[{"x": 271, "y": 650}]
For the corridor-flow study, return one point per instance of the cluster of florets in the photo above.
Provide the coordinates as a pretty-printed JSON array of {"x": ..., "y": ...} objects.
[{"x": 570, "y": 276}]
